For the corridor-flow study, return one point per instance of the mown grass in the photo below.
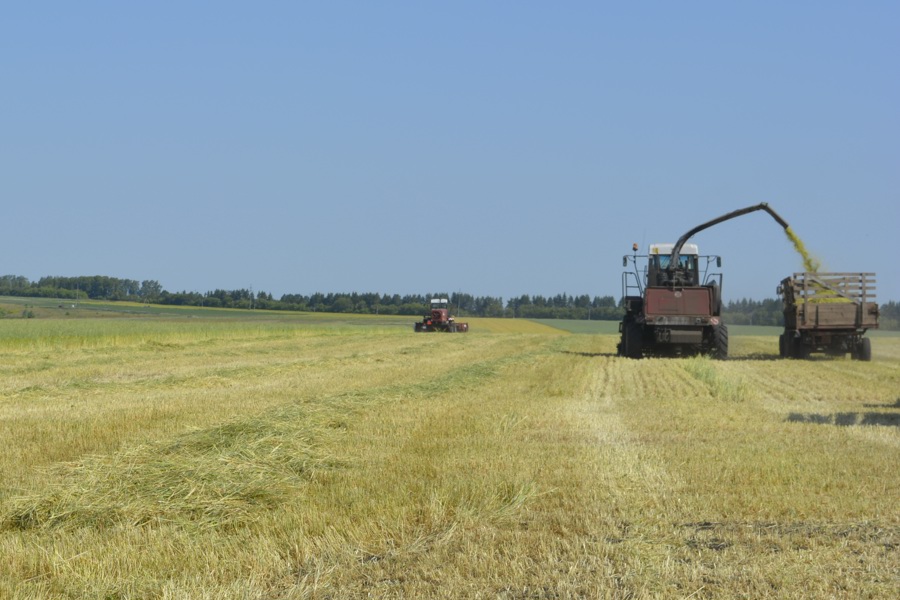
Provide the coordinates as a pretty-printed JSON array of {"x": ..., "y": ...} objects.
[
  {"x": 582, "y": 326},
  {"x": 276, "y": 460}
]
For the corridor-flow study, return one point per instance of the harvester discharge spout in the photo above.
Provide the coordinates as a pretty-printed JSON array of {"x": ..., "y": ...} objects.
[{"x": 676, "y": 250}]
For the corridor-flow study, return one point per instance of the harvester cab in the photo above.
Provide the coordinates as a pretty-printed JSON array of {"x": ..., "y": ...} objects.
[
  {"x": 658, "y": 270},
  {"x": 685, "y": 273}
]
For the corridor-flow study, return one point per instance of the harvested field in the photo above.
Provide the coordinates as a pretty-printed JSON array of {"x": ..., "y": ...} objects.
[{"x": 327, "y": 458}]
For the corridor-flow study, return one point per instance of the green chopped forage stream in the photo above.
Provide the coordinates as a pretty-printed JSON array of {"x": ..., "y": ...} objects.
[{"x": 810, "y": 263}]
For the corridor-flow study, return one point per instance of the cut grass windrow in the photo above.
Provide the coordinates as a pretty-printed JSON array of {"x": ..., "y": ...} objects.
[
  {"x": 353, "y": 463},
  {"x": 218, "y": 477}
]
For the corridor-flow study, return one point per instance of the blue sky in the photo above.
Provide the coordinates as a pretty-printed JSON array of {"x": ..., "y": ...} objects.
[{"x": 494, "y": 148}]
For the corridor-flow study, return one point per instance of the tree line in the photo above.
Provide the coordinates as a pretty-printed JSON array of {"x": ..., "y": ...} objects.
[
  {"x": 98, "y": 287},
  {"x": 769, "y": 312},
  {"x": 753, "y": 312},
  {"x": 560, "y": 306},
  {"x": 85, "y": 287}
]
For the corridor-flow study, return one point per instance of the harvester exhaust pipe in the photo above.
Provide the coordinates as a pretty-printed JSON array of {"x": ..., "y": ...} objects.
[{"x": 737, "y": 213}]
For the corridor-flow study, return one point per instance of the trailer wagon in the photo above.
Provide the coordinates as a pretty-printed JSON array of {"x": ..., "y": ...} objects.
[{"x": 828, "y": 312}]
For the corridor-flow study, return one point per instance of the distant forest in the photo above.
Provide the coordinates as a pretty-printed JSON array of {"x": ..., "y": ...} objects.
[{"x": 561, "y": 306}]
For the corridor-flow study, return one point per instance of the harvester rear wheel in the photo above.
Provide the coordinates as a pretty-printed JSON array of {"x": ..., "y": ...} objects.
[
  {"x": 716, "y": 294},
  {"x": 781, "y": 346},
  {"x": 720, "y": 342},
  {"x": 631, "y": 336}
]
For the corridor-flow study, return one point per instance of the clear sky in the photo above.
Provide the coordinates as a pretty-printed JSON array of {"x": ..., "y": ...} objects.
[{"x": 494, "y": 148}]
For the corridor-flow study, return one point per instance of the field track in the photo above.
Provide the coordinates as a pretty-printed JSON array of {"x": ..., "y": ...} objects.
[{"x": 213, "y": 457}]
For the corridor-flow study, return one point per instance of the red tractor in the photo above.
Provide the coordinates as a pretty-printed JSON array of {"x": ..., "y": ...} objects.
[{"x": 439, "y": 319}]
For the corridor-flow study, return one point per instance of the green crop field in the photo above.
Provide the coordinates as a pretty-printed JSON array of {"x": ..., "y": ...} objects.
[{"x": 154, "y": 452}]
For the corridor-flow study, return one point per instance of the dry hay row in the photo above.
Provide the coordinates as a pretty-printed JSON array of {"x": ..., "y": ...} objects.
[
  {"x": 743, "y": 480},
  {"x": 125, "y": 396},
  {"x": 248, "y": 485},
  {"x": 239, "y": 464}
]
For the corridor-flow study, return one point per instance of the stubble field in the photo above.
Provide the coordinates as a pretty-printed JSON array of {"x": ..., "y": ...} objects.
[{"x": 209, "y": 455}]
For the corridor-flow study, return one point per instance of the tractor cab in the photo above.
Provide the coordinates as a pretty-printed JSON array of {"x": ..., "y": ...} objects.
[
  {"x": 440, "y": 310},
  {"x": 439, "y": 303}
]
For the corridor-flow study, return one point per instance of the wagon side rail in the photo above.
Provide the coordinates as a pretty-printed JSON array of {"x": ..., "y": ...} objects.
[{"x": 824, "y": 288}]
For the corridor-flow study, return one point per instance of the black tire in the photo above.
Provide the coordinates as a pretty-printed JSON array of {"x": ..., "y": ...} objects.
[
  {"x": 790, "y": 345},
  {"x": 623, "y": 326},
  {"x": 632, "y": 340},
  {"x": 801, "y": 350},
  {"x": 865, "y": 349},
  {"x": 716, "y": 298},
  {"x": 781, "y": 346},
  {"x": 720, "y": 342}
]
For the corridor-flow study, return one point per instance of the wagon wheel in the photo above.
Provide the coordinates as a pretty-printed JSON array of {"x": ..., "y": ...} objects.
[
  {"x": 864, "y": 350},
  {"x": 790, "y": 345}
]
